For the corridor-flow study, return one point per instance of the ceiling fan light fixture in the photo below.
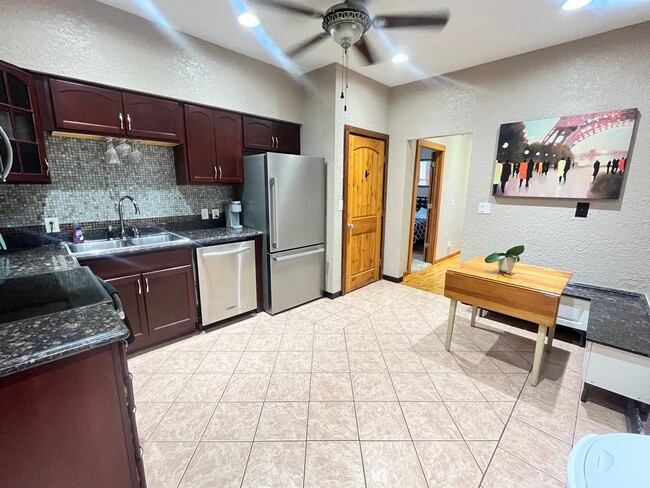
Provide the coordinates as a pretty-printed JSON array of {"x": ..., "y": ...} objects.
[
  {"x": 400, "y": 58},
  {"x": 346, "y": 23},
  {"x": 247, "y": 19},
  {"x": 575, "y": 4}
]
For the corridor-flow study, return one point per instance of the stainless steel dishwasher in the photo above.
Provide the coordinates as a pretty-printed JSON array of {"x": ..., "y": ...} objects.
[{"x": 227, "y": 280}]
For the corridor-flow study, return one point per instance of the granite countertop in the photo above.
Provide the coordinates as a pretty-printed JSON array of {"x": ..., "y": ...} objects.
[
  {"x": 222, "y": 235},
  {"x": 52, "y": 257},
  {"x": 31, "y": 342},
  {"x": 618, "y": 319}
]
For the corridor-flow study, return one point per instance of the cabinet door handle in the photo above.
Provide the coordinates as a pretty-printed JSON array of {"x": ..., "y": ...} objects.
[
  {"x": 47, "y": 167},
  {"x": 277, "y": 142},
  {"x": 146, "y": 284},
  {"x": 128, "y": 120},
  {"x": 215, "y": 173},
  {"x": 220, "y": 173},
  {"x": 121, "y": 117},
  {"x": 139, "y": 287},
  {"x": 272, "y": 141},
  {"x": 5, "y": 166}
]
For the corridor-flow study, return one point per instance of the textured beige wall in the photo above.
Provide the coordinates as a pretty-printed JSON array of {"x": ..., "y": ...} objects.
[
  {"x": 91, "y": 41},
  {"x": 367, "y": 108},
  {"x": 608, "y": 71},
  {"x": 454, "y": 192}
]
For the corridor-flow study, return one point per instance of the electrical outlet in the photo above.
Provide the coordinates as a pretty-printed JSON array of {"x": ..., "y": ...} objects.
[
  {"x": 453, "y": 202},
  {"x": 204, "y": 214},
  {"x": 215, "y": 213},
  {"x": 484, "y": 207},
  {"x": 52, "y": 224},
  {"x": 448, "y": 244}
]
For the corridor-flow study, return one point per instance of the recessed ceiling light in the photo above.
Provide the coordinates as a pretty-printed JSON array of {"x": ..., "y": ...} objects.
[
  {"x": 575, "y": 4},
  {"x": 400, "y": 58},
  {"x": 248, "y": 20}
]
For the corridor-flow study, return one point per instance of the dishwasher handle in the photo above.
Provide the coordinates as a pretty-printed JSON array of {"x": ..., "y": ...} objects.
[
  {"x": 226, "y": 253},
  {"x": 299, "y": 255}
]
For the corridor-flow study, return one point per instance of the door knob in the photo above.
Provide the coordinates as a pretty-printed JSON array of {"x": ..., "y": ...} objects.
[{"x": 350, "y": 226}]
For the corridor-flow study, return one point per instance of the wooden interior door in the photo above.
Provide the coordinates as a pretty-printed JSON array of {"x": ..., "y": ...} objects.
[{"x": 364, "y": 210}]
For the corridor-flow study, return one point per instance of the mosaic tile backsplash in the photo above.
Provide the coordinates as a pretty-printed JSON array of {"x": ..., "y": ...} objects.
[{"x": 84, "y": 188}]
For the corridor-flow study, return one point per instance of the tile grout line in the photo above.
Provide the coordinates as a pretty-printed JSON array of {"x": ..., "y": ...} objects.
[
  {"x": 354, "y": 406},
  {"x": 311, "y": 366},
  {"x": 259, "y": 418},
  {"x": 213, "y": 412},
  {"x": 399, "y": 403}
]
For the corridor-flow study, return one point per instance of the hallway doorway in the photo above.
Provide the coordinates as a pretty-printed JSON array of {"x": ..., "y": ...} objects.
[
  {"x": 427, "y": 187},
  {"x": 439, "y": 192}
]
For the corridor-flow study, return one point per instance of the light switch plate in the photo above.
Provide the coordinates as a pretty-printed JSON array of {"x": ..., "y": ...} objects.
[
  {"x": 340, "y": 205},
  {"x": 204, "y": 214},
  {"x": 484, "y": 207},
  {"x": 52, "y": 224},
  {"x": 215, "y": 213}
]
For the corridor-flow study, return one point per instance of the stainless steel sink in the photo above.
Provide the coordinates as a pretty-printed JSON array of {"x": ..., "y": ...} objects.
[
  {"x": 94, "y": 246},
  {"x": 157, "y": 239},
  {"x": 90, "y": 247}
]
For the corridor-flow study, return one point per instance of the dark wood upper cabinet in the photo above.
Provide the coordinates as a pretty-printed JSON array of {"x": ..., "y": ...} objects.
[
  {"x": 213, "y": 151},
  {"x": 230, "y": 158},
  {"x": 287, "y": 137},
  {"x": 78, "y": 107},
  {"x": 200, "y": 157},
  {"x": 152, "y": 118},
  {"x": 20, "y": 121},
  {"x": 258, "y": 134},
  {"x": 86, "y": 108},
  {"x": 268, "y": 135}
]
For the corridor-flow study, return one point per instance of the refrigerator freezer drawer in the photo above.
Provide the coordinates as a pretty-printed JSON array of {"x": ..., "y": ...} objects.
[
  {"x": 296, "y": 277},
  {"x": 227, "y": 280}
]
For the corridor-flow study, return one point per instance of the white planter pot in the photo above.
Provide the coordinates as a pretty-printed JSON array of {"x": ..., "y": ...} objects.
[{"x": 506, "y": 265}]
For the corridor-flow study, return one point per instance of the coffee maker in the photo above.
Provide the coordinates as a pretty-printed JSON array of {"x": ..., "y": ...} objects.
[{"x": 233, "y": 209}]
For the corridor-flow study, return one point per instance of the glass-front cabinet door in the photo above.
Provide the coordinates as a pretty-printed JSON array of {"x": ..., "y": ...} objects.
[{"x": 20, "y": 121}]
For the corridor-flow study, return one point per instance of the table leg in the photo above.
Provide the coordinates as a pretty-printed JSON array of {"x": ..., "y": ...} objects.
[
  {"x": 450, "y": 323},
  {"x": 474, "y": 310},
  {"x": 549, "y": 341},
  {"x": 539, "y": 352}
]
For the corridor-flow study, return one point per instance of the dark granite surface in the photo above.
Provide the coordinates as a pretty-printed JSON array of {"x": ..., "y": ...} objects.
[
  {"x": 28, "y": 343},
  {"x": 617, "y": 318},
  {"x": 214, "y": 236},
  {"x": 52, "y": 257}
]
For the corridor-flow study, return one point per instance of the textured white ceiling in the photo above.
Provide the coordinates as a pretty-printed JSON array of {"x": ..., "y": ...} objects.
[{"x": 479, "y": 31}]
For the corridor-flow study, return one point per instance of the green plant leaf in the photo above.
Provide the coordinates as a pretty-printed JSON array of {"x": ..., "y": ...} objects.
[
  {"x": 514, "y": 252},
  {"x": 494, "y": 257}
]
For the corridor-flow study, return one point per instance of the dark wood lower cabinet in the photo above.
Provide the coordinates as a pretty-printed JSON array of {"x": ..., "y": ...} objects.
[
  {"x": 70, "y": 424},
  {"x": 157, "y": 293}
]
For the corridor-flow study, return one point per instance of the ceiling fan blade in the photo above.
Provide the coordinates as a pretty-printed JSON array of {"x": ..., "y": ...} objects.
[
  {"x": 303, "y": 46},
  {"x": 422, "y": 20},
  {"x": 290, "y": 7},
  {"x": 365, "y": 51}
]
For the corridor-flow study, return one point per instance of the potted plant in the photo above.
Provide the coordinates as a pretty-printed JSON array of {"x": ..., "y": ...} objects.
[{"x": 506, "y": 259}]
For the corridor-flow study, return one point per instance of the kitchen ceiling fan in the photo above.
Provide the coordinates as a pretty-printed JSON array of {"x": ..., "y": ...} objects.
[{"x": 348, "y": 21}]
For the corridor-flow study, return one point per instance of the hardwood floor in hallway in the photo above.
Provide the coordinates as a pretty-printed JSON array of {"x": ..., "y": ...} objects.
[{"x": 432, "y": 278}]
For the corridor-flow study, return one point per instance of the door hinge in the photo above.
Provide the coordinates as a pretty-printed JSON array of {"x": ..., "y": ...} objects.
[
  {"x": 426, "y": 245},
  {"x": 429, "y": 206},
  {"x": 433, "y": 164}
]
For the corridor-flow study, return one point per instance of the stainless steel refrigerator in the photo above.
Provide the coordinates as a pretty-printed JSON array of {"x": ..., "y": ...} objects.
[{"x": 284, "y": 196}]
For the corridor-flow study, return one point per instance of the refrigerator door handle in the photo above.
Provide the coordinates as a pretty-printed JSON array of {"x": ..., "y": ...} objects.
[
  {"x": 5, "y": 168},
  {"x": 299, "y": 255},
  {"x": 226, "y": 253},
  {"x": 274, "y": 212}
]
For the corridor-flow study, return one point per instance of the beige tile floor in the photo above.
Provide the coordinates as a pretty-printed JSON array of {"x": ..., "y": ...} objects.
[{"x": 359, "y": 391}]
